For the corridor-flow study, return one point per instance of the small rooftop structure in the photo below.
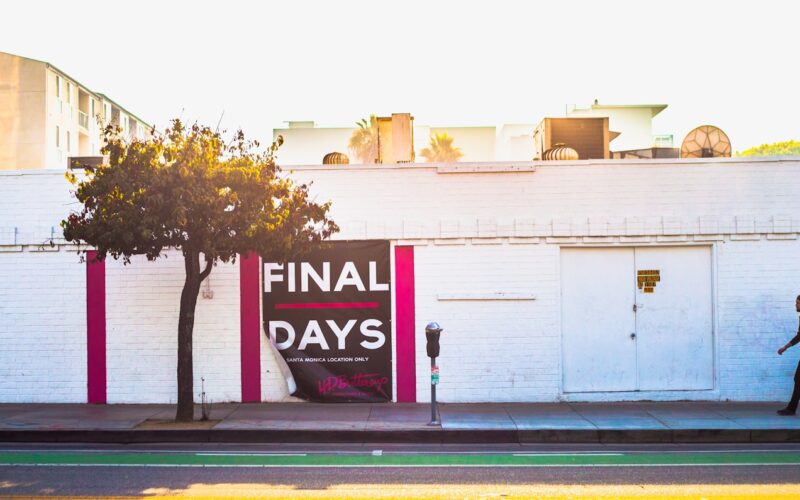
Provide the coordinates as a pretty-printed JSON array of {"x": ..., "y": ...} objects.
[
  {"x": 632, "y": 121},
  {"x": 588, "y": 136}
]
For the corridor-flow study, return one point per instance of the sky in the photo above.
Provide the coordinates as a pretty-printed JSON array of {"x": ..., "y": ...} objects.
[{"x": 731, "y": 64}]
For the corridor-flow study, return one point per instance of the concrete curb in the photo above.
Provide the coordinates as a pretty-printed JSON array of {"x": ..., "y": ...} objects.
[{"x": 432, "y": 436}]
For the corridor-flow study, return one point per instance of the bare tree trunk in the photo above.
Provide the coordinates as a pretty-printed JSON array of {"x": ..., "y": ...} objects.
[{"x": 191, "y": 289}]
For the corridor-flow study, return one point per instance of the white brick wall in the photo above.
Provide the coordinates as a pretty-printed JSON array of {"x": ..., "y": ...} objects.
[
  {"x": 33, "y": 202},
  {"x": 492, "y": 350},
  {"x": 628, "y": 198},
  {"x": 142, "y": 303},
  {"x": 478, "y": 229},
  {"x": 273, "y": 385},
  {"x": 757, "y": 285},
  {"x": 42, "y": 327}
]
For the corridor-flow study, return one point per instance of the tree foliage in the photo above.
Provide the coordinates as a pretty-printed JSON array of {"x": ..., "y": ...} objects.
[
  {"x": 364, "y": 140},
  {"x": 190, "y": 190},
  {"x": 441, "y": 149},
  {"x": 786, "y": 148}
]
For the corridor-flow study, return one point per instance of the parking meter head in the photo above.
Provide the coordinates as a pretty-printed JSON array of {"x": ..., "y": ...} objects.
[{"x": 432, "y": 332}]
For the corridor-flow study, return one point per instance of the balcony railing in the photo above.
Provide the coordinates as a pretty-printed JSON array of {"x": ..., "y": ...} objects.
[{"x": 83, "y": 120}]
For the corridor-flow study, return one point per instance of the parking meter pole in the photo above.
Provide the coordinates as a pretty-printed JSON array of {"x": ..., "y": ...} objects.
[
  {"x": 432, "y": 332},
  {"x": 434, "y": 410}
]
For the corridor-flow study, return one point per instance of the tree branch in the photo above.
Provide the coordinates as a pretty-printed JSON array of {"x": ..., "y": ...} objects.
[{"x": 207, "y": 270}]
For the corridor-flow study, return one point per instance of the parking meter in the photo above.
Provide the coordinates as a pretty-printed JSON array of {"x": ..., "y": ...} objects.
[{"x": 432, "y": 333}]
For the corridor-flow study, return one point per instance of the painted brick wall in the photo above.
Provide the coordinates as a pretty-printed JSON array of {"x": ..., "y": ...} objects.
[
  {"x": 584, "y": 199},
  {"x": 757, "y": 285},
  {"x": 499, "y": 350},
  {"x": 32, "y": 205},
  {"x": 143, "y": 299},
  {"x": 479, "y": 229},
  {"x": 491, "y": 350},
  {"x": 142, "y": 302},
  {"x": 273, "y": 385},
  {"x": 42, "y": 327}
]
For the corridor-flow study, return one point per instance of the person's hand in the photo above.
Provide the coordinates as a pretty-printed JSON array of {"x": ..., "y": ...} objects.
[{"x": 781, "y": 350}]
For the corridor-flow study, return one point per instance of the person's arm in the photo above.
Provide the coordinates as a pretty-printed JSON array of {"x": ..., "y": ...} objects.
[{"x": 792, "y": 342}]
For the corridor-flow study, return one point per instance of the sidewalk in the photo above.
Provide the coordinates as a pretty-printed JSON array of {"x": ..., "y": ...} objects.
[{"x": 641, "y": 422}]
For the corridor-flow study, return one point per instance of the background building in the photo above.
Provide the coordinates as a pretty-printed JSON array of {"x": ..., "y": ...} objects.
[
  {"x": 305, "y": 144},
  {"x": 47, "y": 116},
  {"x": 629, "y": 126},
  {"x": 632, "y": 121}
]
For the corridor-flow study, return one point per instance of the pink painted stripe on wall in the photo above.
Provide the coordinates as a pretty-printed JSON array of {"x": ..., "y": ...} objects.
[
  {"x": 250, "y": 327},
  {"x": 329, "y": 305},
  {"x": 404, "y": 324},
  {"x": 95, "y": 328}
]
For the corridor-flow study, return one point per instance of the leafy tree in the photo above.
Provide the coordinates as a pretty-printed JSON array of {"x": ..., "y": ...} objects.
[
  {"x": 786, "y": 148},
  {"x": 441, "y": 149},
  {"x": 189, "y": 190},
  {"x": 364, "y": 141}
]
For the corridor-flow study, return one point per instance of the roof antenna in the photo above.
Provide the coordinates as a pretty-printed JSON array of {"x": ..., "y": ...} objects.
[{"x": 220, "y": 121}]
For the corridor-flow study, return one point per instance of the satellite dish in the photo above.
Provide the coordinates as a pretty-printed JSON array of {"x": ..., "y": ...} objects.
[{"x": 706, "y": 141}]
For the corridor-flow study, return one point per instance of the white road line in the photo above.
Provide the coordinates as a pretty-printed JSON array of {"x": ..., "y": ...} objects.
[
  {"x": 782, "y": 450},
  {"x": 234, "y": 454},
  {"x": 587, "y": 454}
]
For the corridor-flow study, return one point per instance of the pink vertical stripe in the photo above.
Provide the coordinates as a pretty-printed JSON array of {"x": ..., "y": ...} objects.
[
  {"x": 250, "y": 327},
  {"x": 95, "y": 328},
  {"x": 404, "y": 324}
]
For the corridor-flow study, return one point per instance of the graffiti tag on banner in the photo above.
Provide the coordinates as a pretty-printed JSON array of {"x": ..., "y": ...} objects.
[{"x": 329, "y": 315}]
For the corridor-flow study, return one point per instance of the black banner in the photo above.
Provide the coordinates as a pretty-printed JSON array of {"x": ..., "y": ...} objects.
[{"x": 329, "y": 315}]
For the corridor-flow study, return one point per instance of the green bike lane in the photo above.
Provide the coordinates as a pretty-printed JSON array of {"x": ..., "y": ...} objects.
[{"x": 218, "y": 459}]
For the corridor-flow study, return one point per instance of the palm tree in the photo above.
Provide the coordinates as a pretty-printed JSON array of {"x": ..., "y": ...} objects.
[
  {"x": 364, "y": 141},
  {"x": 442, "y": 149}
]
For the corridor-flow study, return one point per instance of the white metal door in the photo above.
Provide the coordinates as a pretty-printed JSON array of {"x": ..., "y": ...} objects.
[
  {"x": 674, "y": 318},
  {"x": 597, "y": 320}
]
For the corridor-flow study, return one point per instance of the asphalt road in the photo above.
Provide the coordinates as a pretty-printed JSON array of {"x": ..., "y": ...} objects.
[{"x": 309, "y": 471}]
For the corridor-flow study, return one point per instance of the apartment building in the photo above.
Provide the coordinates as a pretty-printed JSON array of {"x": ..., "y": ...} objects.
[{"x": 47, "y": 116}]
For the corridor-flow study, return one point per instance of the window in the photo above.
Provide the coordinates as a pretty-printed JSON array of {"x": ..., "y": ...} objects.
[
  {"x": 69, "y": 92},
  {"x": 68, "y": 148},
  {"x": 58, "y": 86},
  {"x": 58, "y": 137},
  {"x": 107, "y": 112}
]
